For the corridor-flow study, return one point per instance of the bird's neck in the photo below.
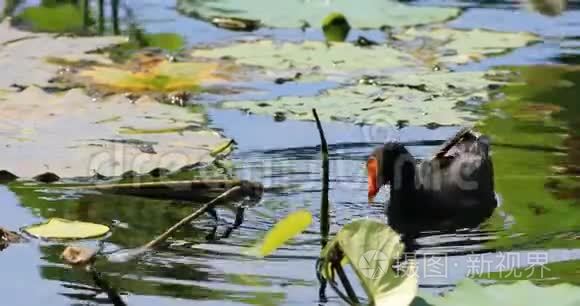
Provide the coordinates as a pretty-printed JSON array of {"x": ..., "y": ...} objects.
[{"x": 403, "y": 178}]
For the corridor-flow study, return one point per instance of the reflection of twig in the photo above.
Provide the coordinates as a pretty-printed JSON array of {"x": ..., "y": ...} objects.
[
  {"x": 83, "y": 257},
  {"x": 104, "y": 285},
  {"x": 209, "y": 205}
]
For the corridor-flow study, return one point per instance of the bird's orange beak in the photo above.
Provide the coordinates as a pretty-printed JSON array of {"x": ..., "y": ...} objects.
[{"x": 372, "y": 168}]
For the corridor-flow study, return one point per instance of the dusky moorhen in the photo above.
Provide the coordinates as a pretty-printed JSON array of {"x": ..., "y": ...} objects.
[{"x": 453, "y": 189}]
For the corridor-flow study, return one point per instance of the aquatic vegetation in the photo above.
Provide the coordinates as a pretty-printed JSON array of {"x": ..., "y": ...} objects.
[
  {"x": 548, "y": 274},
  {"x": 434, "y": 98},
  {"x": 438, "y": 45},
  {"x": 163, "y": 76},
  {"x": 519, "y": 293},
  {"x": 403, "y": 80},
  {"x": 27, "y": 62},
  {"x": 51, "y": 128},
  {"x": 335, "y": 27},
  {"x": 284, "y": 230},
  {"x": 170, "y": 42},
  {"x": 550, "y": 8},
  {"x": 64, "y": 18},
  {"x": 57, "y": 228},
  {"x": 311, "y": 57},
  {"x": 293, "y": 13},
  {"x": 528, "y": 129},
  {"x": 372, "y": 259}
]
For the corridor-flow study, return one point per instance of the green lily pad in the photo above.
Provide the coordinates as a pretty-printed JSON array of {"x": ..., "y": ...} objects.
[
  {"x": 312, "y": 57},
  {"x": 440, "y": 45},
  {"x": 372, "y": 248},
  {"x": 57, "y": 19},
  {"x": 518, "y": 293},
  {"x": 414, "y": 48},
  {"x": 57, "y": 228},
  {"x": 293, "y": 13},
  {"x": 284, "y": 230},
  {"x": 71, "y": 135},
  {"x": 417, "y": 99}
]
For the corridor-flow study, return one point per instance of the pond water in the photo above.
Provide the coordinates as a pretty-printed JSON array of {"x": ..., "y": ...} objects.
[{"x": 539, "y": 215}]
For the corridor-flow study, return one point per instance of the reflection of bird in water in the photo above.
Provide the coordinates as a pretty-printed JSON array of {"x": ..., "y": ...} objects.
[{"x": 452, "y": 190}]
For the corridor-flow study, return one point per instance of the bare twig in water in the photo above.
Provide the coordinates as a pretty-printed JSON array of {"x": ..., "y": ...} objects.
[{"x": 324, "y": 205}]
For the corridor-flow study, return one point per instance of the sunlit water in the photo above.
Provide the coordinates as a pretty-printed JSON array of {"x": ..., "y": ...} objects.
[{"x": 285, "y": 157}]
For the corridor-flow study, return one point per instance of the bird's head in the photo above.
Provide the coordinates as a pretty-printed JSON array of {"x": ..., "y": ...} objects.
[{"x": 381, "y": 166}]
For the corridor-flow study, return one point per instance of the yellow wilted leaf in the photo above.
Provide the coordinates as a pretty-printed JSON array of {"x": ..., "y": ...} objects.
[
  {"x": 284, "y": 230},
  {"x": 57, "y": 228},
  {"x": 158, "y": 76},
  {"x": 225, "y": 147}
]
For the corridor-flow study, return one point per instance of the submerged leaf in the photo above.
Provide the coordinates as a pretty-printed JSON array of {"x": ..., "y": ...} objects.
[
  {"x": 372, "y": 248},
  {"x": 293, "y": 13},
  {"x": 518, "y": 293},
  {"x": 284, "y": 230},
  {"x": 57, "y": 228}
]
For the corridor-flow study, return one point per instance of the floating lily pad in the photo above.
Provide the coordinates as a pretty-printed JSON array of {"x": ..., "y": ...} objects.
[
  {"x": 439, "y": 45},
  {"x": 57, "y": 228},
  {"x": 294, "y": 13},
  {"x": 24, "y": 54},
  {"x": 284, "y": 230},
  {"x": 518, "y": 293},
  {"x": 417, "y": 99},
  {"x": 372, "y": 248},
  {"x": 312, "y": 57},
  {"x": 71, "y": 135}
]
